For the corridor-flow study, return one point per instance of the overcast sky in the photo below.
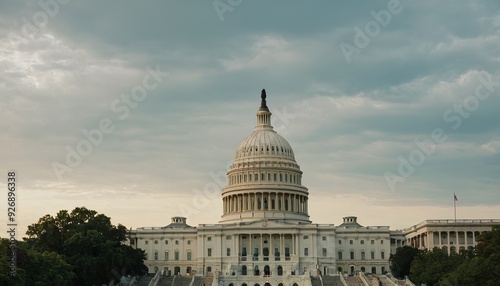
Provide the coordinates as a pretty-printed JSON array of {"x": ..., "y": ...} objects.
[{"x": 135, "y": 109}]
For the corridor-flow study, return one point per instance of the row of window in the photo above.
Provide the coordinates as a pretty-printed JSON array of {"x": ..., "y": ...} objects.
[
  {"x": 176, "y": 255},
  {"x": 363, "y": 255},
  {"x": 166, "y": 242},
  {"x": 304, "y": 237},
  {"x": 266, "y": 253},
  {"x": 362, "y": 241},
  {"x": 274, "y": 177},
  {"x": 272, "y": 150}
]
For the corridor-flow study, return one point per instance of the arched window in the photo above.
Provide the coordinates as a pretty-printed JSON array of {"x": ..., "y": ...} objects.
[
  {"x": 243, "y": 270},
  {"x": 188, "y": 255},
  {"x": 280, "y": 271}
]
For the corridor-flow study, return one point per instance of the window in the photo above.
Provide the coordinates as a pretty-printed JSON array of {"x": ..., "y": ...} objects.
[
  {"x": 177, "y": 242},
  {"x": 372, "y": 255},
  {"x": 166, "y": 256},
  {"x": 228, "y": 237},
  {"x": 340, "y": 255},
  {"x": 381, "y": 241},
  {"x": 156, "y": 241},
  {"x": 352, "y": 254},
  {"x": 188, "y": 255},
  {"x": 340, "y": 241},
  {"x": 209, "y": 252},
  {"x": 209, "y": 269},
  {"x": 306, "y": 237},
  {"x": 156, "y": 255},
  {"x": 373, "y": 241},
  {"x": 166, "y": 241},
  {"x": 228, "y": 251},
  {"x": 324, "y": 252},
  {"x": 362, "y": 242},
  {"x": 351, "y": 242},
  {"x": 269, "y": 176},
  {"x": 209, "y": 238},
  {"x": 382, "y": 255},
  {"x": 146, "y": 242},
  {"x": 324, "y": 238},
  {"x": 306, "y": 251},
  {"x": 275, "y": 177},
  {"x": 262, "y": 176},
  {"x": 281, "y": 177},
  {"x": 189, "y": 241},
  {"x": 256, "y": 177},
  {"x": 363, "y": 255},
  {"x": 176, "y": 255}
]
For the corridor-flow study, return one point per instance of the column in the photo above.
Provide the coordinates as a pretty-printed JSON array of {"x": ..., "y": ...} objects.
[
  {"x": 271, "y": 249},
  {"x": 255, "y": 202}
]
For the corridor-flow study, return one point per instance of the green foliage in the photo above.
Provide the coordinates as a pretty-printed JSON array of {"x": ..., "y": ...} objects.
[
  {"x": 401, "y": 261},
  {"x": 483, "y": 268},
  {"x": 430, "y": 267},
  {"x": 88, "y": 242}
]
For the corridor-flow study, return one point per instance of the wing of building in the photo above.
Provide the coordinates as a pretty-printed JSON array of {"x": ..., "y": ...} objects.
[{"x": 265, "y": 234}]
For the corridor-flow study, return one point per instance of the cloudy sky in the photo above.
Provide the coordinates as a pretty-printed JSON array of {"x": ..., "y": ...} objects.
[{"x": 136, "y": 109}]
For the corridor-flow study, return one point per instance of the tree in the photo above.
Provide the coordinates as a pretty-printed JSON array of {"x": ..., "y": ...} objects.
[
  {"x": 401, "y": 261},
  {"x": 483, "y": 268},
  {"x": 430, "y": 267},
  {"x": 89, "y": 243}
]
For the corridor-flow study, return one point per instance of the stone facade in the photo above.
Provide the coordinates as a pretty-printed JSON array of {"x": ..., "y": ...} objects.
[{"x": 452, "y": 236}]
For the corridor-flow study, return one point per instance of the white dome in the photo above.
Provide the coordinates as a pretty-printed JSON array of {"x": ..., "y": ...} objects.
[
  {"x": 264, "y": 181},
  {"x": 264, "y": 143}
]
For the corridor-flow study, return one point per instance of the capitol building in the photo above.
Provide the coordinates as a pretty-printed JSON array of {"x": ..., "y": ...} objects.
[{"x": 265, "y": 234}]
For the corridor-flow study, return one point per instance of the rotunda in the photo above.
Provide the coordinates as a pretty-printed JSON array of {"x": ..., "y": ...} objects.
[{"x": 264, "y": 181}]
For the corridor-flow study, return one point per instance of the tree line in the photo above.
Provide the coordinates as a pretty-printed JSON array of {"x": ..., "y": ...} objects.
[
  {"x": 477, "y": 266},
  {"x": 80, "y": 247}
]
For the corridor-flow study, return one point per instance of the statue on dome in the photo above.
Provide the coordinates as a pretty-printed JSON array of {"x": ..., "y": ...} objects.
[{"x": 263, "y": 96}]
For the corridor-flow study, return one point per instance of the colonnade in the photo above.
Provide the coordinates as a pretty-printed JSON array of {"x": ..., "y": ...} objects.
[
  {"x": 446, "y": 240},
  {"x": 263, "y": 201},
  {"x": 263, "y": 246}
]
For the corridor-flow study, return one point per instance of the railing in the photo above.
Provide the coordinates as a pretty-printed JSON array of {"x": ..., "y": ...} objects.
[
  {"x": 363, "y": 278},
  {"x": 155, "y": 279},
  {"x": 452, "y": 221},
  {"x": 342, "y": 279}
]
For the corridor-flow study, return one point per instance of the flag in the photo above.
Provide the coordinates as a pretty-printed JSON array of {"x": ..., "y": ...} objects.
[{"x": 455, "y": 197}]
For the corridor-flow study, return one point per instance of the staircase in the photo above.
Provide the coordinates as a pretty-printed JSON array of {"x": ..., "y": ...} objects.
[
  {"x": 142, "y": 280},
  {"x": 331, "y": 281},
  {"x": 315, "y": 281},
  {"x": 354, "y": 281},
  {"x": 386, "y": 281},
  {"x": 166, "y": 281}
]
